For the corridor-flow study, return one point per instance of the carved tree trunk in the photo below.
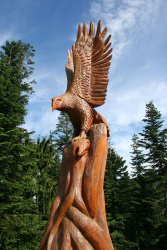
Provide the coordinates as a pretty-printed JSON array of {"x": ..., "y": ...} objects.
[{"x": 78, "y": 217}]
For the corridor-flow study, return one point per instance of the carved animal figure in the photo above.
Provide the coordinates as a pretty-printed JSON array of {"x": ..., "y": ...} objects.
[{"x": 87, "y": 76}]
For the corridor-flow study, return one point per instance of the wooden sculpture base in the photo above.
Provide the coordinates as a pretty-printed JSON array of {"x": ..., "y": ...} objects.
[{"x": 78, "y": 217}]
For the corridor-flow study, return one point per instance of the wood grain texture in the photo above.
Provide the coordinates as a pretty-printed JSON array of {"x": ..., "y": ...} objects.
[{"x": 78, "y": 217}]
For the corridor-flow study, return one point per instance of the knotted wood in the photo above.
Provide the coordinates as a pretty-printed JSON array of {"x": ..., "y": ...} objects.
[{"x": 78, "y": 217}]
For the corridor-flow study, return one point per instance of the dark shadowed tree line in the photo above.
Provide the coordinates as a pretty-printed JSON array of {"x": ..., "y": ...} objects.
[{"x": 136, "y": 204}]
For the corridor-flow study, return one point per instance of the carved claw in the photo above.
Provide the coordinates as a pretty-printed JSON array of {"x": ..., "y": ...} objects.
[
  {"x": 80, "y": 144},
  {"x": 82, "y": 135},
  {"x": 80, "y": 147}
]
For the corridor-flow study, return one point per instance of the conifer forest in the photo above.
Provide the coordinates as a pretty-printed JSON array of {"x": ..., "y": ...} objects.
[{"x": 136, "y": 202}]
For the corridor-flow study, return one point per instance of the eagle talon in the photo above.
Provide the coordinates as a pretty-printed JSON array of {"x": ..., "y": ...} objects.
[
  {"x": 95, "y": 126},
  {"x": 82, "y": 135}
]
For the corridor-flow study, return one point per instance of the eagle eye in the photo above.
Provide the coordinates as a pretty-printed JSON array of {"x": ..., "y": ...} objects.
[{"x": 58, "y": 100}]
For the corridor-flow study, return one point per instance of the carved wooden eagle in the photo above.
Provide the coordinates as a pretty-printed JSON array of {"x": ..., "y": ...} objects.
[{"x": 87, "y": 75}]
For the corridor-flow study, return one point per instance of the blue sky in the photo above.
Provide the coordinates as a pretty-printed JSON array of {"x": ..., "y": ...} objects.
[{"x": 138, "y": 73}]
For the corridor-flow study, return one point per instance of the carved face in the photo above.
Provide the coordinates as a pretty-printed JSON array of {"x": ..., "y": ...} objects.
[{"x": 57, "y": 103}]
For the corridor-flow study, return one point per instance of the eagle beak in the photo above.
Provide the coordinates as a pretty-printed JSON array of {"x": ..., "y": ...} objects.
[{"x": 54, "y": 106}]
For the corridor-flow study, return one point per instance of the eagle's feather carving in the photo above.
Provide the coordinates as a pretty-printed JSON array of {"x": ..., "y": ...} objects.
[{"x": 87, "y": 76}]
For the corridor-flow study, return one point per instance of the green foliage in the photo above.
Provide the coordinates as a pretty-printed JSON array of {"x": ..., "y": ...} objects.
[
  {"x": 148, "y": 189},
  {"x": 154, "y": 140},
  {"x": 23, "y": 231},
  {"x": 48, "y": 155},
  {"x": 20, "y": 223},
  {"x": 15, "y": 67},
  {"x": 48, "y": 166},
  {"x": 17, "y": 153},
  {"x": 63, "y": 132},
  {"x": 116, "y": 188},
  {"x": 137, "y": 157}
]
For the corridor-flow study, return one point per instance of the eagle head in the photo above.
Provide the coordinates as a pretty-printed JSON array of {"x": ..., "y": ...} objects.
[{"x": 58, "y": 102}]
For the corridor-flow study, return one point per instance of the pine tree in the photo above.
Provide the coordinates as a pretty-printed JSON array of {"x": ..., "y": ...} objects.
[
  {"x": 19, "y": 222},
  {"x": 137, "y": 157},
  {"x": 154, "y": 140},
  {"x": 47, "y": 180},
  {"x": 145, "y": 212},
  {"x": 63, "y": 132},
  {"x": 116, "y": 187},
  {"x": 136, "y": 191},
  {"x": 149, "y": 188},
  {"x": 49, "y": 155}
]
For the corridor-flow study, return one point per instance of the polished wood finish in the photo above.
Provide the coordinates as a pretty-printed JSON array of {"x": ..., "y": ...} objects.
[
  {"x": 78, "y": 217},
  {"x": 87, "y": 78}
]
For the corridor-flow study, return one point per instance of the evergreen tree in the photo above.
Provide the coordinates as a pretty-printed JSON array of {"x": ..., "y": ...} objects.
[
  {"x": 49, "y": 155},
  {"x": 137, "y": 157},
  {"x": 116, "y": 188},
  {"x": 63, "y": 132},
  {"x": 136, "y": 191},
  {"x": 154, "y": 140},
  {"x": 149, "y": 184},
  {"x": 145, "y": 212},
  {"x": 48, "y": 165},
  {"x": 19, "y": 222}
]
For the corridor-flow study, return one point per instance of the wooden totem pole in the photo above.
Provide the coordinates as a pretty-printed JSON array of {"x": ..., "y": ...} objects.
[{"x": 78, "y": 217}]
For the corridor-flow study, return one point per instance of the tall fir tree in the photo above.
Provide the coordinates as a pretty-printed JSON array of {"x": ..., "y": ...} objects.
[
  {"x": 63, "y": 132},
  {"x": 116, "y": 188},
  {"x": 49, "y": 155},
  {"x": 154, "y": 140},
  {"x": 143, "y": 201},
  {"x": 148, "y": 200},
  {"x": 48, "y": 165},
  {"x": 137, "y": 157},
  {"x": 135, "y": 197},
  {"x": 19, "y": 223}
]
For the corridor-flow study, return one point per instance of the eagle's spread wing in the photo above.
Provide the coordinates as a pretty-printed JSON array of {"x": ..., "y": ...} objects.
[
  {"x": 69, "y": 69},
  {"x": 91, "y": 56}
]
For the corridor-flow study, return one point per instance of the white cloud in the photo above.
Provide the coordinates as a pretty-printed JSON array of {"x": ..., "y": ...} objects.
[
  {"x": 49, "y": 83},
  {"x": 130, "y": 22},
  {"x": 122, "y": 144},
  {"x": 129, "y": 102},
  {"x": 41, "y": 121},
  {"x": 126, "y": 109},
  {"x": 40, "y": 117},
  {"x": 125, "y": 19},
  {"x": 8, "y": 35}
]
